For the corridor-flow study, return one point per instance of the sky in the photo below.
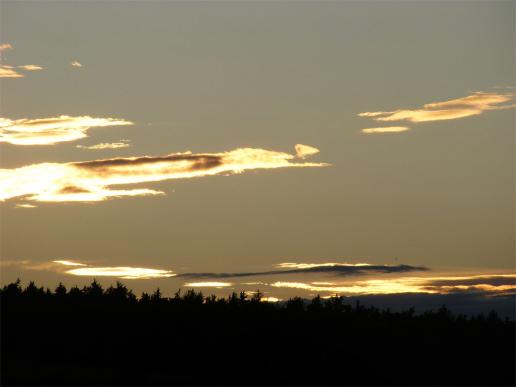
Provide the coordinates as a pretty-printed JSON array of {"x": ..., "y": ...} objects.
[{"x": 196, "y": 139}]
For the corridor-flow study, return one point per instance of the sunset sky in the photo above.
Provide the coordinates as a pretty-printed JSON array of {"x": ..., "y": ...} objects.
[{"x": 298, "y": 148}]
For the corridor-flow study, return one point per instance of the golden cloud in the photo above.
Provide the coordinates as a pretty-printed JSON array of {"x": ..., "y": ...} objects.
[
  {"x": 106, "y": 145},
  {"x": 125, "y": 272},
  {"x": 430, "y": 285},
  {"x": 30, "y": 67},
  {"x": 208, "y": 284},
  {"x": 48, "y": 131},
  {"x": 293, "y": 265},
  {"x": 386, "y": 129},
  {"x": 471, "y": 105},
  {"x": 5, "y": 46},
  {"x": 91, "y": 180},
  {"x": 8, "y": 72},
  {"x": 304, "y": 151},
  {"x": 76, "y": 63}
]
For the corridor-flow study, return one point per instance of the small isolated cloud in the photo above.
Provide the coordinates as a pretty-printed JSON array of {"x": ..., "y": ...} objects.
[
  {"x": 76, "y": 63},
  {"x": 471, "y": 105},
  {"x": 30, "y": 67},
  {"x": 93, "y": 180},
  {"x": 304, "y": 151},
  {"x": 5, "y": 46},
  {"x": 386, "y": 129},
  {"x": 106, "y": 145},
  {"x": 217, "y": 285},
  {"x": 8, "y": 72},
  {"x": 49, "y": 131}
]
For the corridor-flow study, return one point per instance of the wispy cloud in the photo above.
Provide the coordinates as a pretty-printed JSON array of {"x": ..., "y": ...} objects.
[
  {"x": 69, "y": 263},
  {"x": 91, "y": 180},
  {"x": 207, "y": 284},
  {"x": 30, "y": 67},
  {"x": 25, "y": 205},
  {"x": 49, "y": 131},
  {"x": 125, "y": 272},
  {"x": 9, "y": 72},
  {"x": 106, "y": 145},
  {"x": 76, "y": 63},
  {"x": 497, "y": 283},
  {"x": 5, "y": 46},
  {"x": 70, "y": 267},
  {"x": 386, "y": 129},
  {"x": 471, "y": 105},
  {"x": 340, "y": 269}
]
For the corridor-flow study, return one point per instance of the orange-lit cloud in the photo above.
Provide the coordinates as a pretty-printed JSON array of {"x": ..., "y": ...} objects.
[
  {"x": 431, "y": 285},
  {"x": 106, "y": 145},
  {"x": 386, "y": 129},
  {"x": 304, "y": 151},
  {"x": 125, "y": 272},
  {"x": 207, "y": 284},
  {"x": 293, "y": 265},
  {"x": 5, "y": 46},
  {"x": 93, "y": 180},
  {"x": 69, "y": 263},
  {"x": 76, "y": 63},
  {"x": 80, "y": 269},
  {"x": 25, "y": 205},
  {"x": 30, "y": 67},
  {"x": 471, "y": 105},
  {"x": 8, "y": 72},
  {"x": 48, "y": 131}
]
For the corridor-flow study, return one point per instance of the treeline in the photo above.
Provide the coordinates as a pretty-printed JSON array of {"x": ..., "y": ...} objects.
[{"x": 97, "y": 336}]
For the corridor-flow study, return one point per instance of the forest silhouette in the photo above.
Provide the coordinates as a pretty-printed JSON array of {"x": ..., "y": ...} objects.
[{"x": 97, "y": 336}]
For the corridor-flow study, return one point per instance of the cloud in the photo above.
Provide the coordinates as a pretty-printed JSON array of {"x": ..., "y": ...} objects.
[
  {"x": 499, "y": 283},
  {"x": 76, "y": 63},
  {"x": 106, "y": 145},
  {"x": 339, "y": 269},
  {"x": 69, "y": 263},
  {"x": 5, "y": 46},
  {"x": 25, "y": 205},
  {"x": 49, "y": 131},
  {"x": 91, "y": 180},
  {"x": 471, "y": 105},
  {"x": 125, "y": 272},
  {"x": 8, "y": 72},
  {"x": 304, "y": 151},
  {"x": 30, "y": 67},
  {"x": 386, "y": 129},
  {"x": 81, "y": 269},
  {"x": 217, "y": 285}
]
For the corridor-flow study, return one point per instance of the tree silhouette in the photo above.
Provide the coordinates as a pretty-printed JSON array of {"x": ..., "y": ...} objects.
[{"x": 90, "y": 336}]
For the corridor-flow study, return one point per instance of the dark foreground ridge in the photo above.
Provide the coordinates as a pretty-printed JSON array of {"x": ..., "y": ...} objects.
[{"x": 93, "y": 336}]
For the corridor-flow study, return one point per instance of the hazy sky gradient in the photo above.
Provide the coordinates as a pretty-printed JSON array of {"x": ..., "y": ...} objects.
[{"x": 210, "y": 77}]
